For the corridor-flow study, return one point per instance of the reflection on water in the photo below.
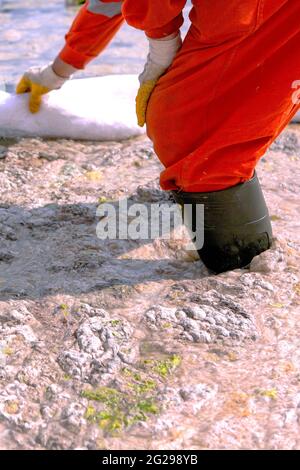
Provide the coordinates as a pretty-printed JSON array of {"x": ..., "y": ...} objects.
[{"x": 32, "y": 33}]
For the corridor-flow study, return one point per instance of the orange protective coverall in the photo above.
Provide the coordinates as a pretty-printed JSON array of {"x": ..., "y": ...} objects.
[{"x": 228, "y": 93}]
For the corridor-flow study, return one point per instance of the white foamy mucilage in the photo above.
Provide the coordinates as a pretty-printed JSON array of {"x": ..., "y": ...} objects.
[{"x": 101, "y": 108}]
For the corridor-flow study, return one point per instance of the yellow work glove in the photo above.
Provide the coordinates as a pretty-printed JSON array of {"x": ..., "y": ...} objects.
[
  {"x": 38, "y": 81},
  {"x": 160, "y": 57}
]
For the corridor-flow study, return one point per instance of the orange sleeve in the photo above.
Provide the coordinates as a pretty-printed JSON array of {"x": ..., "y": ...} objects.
[
  {"x": 99, "y": 20},
  {"x": 158, "y": 18},
  {"x": 93, "y": 28}
]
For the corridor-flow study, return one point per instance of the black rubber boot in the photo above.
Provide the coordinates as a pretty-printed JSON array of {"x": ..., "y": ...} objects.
[{"x": 237, "y": 225}]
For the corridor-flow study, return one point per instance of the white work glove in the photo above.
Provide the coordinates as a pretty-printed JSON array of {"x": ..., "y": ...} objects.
[
  {"x": 161, "y": 55},
  {"x": 38, "y": 81}
]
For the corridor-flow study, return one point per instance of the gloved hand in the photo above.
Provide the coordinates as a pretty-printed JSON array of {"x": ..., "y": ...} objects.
[
  {"x": 38, "y": 81},
  {"x": 161, "y": 55}
]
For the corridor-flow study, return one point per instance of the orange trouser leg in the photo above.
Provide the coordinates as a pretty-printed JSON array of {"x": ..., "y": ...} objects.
[{"x": 225, "y": 99}]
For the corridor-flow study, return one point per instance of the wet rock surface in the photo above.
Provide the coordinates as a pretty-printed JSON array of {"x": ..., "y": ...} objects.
[
  {"x": 123, "y": 344},
  {"x": 216, "y": 318},
  {"x": 103, "y": 345}
]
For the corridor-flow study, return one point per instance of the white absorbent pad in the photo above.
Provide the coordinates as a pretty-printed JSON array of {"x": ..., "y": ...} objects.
[
  {"x": 296, "y": 118},
  {"x": 101, "y": 108}
]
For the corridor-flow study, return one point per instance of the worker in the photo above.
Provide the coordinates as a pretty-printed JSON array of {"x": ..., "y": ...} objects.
[{"x": 213, "y": 103}]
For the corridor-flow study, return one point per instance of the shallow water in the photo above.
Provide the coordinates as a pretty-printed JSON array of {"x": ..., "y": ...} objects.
[{"x": 32, "y": 33}]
